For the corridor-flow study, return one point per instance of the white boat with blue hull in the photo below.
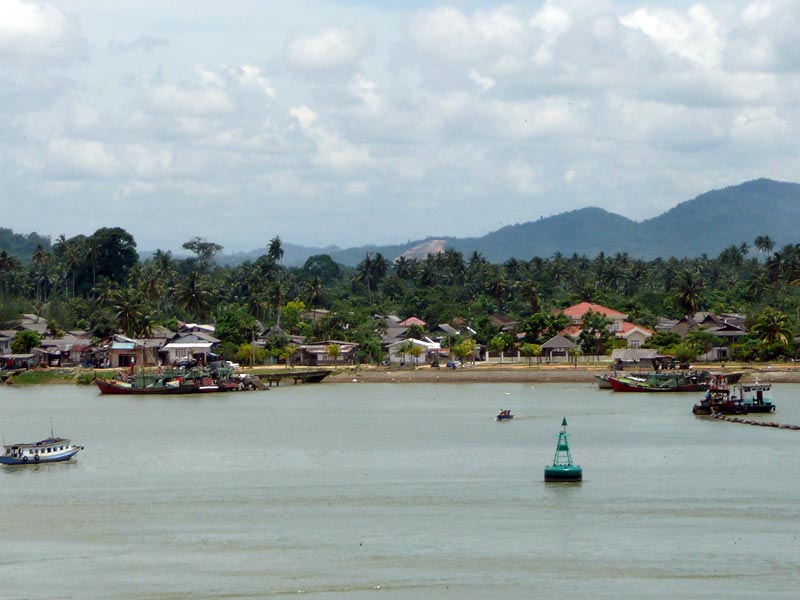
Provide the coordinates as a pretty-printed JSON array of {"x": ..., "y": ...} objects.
[{"x": 52, "y": 449}]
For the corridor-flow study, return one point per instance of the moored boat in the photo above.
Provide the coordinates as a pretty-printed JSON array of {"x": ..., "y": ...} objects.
[
  {"x": 563, "y": 469},
  {"x": 208, "y": 380},
  {"x": 693, "y": 381},
  {"x": 52, "y": 449},
  {"x": 602, "y": 382},
  {"x": 719, "y": 399},
  {"x": 755, "y": 396}
]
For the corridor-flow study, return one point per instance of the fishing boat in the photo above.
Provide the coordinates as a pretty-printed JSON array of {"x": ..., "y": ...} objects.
[
  {"x": 52, "y": 449},
  {"x": 563, "y": 469},
  {"x": 504, "y": 415},
  {"x": 206, "y": 380},
  {"x": 719, "y": 399},
  {"x": 739, "y": 399},
  {"x": 680, "y": 381},
  {"x": 602, "y": 382},
  {"x": 755, "y": 396}
]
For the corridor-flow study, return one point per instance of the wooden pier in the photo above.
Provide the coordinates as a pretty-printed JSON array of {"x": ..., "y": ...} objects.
[{"x": 295, "y": 376}]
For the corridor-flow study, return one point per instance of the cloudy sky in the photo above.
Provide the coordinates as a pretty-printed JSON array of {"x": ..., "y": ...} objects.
[{"x": 357, "y": 122}]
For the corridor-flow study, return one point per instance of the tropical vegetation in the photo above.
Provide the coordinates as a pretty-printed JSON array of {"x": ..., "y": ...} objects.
[{"x": 99, "y": 283}]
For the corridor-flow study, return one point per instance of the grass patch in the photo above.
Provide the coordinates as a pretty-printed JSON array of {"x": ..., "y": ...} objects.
[{"x": 42, "y": 376}]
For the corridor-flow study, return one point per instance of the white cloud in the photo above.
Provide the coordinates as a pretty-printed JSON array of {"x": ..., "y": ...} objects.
[
  {"x": 553, "y": 22},
  {"x": 695, "y": 36},
  {"x": 332, "y": 48},
  {"x": 169, "y": 98},
  {"x": 366, "y": 91},
  {"x": 484, "y": 83},
  {"x": 32, "y": 33},
  {"x": 497, "y": 38},
  {"x": 304, "y": 115},
  {"x": 143, "y": 43},
  {"x": 522, "y": 178},
  {"x": 576, "y": 100},
  {"x": 81, "y": 158}
]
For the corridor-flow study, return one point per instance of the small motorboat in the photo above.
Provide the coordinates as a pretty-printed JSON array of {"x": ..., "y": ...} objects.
[
  {"x": 504, "y": 415},
  {"x": 52, "y": 449}
]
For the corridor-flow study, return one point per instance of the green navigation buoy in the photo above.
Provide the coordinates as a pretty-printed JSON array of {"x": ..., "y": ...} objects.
[{"x": 562, "y": 468}]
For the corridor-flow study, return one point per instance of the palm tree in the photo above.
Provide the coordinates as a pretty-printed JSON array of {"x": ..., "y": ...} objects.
[
  {"x": 774, "y": 326},
  {"x": 275, "y": 249},
  {"x": 688, "y": 287},
  {"x": 194, "y": 295},
  {"x": 764, "y": 244}
]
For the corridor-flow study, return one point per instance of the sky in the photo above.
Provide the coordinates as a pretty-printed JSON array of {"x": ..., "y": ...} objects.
[{"x": 353, "y": 122}]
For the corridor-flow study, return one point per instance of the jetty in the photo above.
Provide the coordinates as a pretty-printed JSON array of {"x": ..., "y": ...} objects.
[{"x": 276, "y": 377}]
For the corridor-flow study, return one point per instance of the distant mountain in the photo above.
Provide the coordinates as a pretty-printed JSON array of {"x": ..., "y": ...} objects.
[
  {"x": 705, "y": 225},
  {"x": 22, "y": 246},
  {"x": 293, "y": 255},
  {"x": 718, "y": 219}
]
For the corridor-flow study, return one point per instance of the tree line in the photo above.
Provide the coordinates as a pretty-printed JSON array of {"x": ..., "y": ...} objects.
[{"x": 99, "y": 283}]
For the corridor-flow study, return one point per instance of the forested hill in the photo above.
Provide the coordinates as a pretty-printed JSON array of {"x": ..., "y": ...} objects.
[
  {"x": 22, "y": 246},
  {"x": 705, "y": 225}
]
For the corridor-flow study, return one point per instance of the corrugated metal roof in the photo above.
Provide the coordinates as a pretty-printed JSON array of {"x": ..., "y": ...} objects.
[{"x": 123, "y": 345}]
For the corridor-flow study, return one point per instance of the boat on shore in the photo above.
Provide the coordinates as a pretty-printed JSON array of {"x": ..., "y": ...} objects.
[
  {"x": 662, "y": 381},
  {"x": 52, "y": 449}
]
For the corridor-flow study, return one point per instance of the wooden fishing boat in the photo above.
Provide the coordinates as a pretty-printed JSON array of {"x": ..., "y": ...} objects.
[{"x": 680, "y": 381}]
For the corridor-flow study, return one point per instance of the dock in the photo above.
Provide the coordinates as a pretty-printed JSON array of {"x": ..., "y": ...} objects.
[{"x": 295, "y": 376}]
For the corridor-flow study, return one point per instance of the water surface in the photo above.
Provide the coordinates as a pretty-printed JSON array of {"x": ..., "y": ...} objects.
[{"x": 397, "y": 491}]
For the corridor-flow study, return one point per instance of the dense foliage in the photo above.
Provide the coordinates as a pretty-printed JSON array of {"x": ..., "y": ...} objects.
[{"x": 99, "y": 283}]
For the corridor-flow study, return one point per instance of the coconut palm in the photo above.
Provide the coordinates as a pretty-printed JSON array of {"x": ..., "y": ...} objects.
[
  {"x": 764, "y": 243},
  {"x": 774, "y": 326}
]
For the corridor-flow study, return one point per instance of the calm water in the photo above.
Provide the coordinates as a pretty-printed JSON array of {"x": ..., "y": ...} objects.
[{"x": 397, "y": 491}]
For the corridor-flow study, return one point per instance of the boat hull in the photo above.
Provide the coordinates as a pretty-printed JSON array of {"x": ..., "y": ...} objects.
[
  {"x": 624, "y": 385},
  {"x": 38, "y": 459},
  {"x": 111, "y": 386},
  {"x": 760, "y": 408}
]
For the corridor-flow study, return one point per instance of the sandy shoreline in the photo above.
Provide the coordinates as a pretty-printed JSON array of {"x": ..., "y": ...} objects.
[{"x": 538, "y": 374}]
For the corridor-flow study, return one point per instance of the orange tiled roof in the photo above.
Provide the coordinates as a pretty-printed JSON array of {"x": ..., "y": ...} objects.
[
  {"x": 412, "y": 321},
  {"x": 580, "y": 309},
  {"x": 626, "y": 327}
]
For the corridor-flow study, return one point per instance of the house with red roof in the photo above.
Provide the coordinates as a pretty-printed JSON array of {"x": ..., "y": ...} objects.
[
  {"x": 412, "y": 321},
  {"x": 634, "y": 335},
  {"x": 577, "y": 311}
]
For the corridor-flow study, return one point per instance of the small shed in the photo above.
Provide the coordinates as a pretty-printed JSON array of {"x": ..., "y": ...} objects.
[
  {"x": 558, "y": 346},
  {"x": 19, "y": 361},
  {"x": 636, "y": 358}
]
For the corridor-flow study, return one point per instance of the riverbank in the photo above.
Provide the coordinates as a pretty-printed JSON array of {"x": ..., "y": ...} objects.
[
  {"x": 481, "y": 373},
  {"x": 522, "y": 373}
]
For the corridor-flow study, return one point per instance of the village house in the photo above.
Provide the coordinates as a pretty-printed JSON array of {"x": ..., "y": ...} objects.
[
  {"x": 430, "y": 351},
  {"x": 193, "y": 343},
  {"x": 635, "y": 336},
  {"x": 728, "y": 327},
  {"x": 316, "y": 355},
  {"x": 65, "y": 351},
  {"x": 5, "y": 341}
]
